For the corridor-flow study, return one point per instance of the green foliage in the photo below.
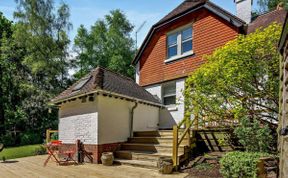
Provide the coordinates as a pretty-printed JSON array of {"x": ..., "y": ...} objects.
[
  {"x": 204, "y": 166},
  {"x": 7, "y": 139},
  {"x": 55, "y": 136},
  {"x": 240, "y": 164},
  {"x": 107, "y": 44},
  {"x": 30, "y": 138},
  {"x": 269, "y": 5},
  {"x": 41, "y": 150},
  {"x": 33, "y": 68},
  {"x": 253, "y": 136},
  {"x": 238, "y": 79}
]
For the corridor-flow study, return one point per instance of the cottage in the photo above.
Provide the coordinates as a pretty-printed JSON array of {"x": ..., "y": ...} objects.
[{"x": 110, "y": 112}]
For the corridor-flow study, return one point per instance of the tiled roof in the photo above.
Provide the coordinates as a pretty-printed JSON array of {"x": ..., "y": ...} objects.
[
  {"x": 266, "y": 19},
  {"x": 184, "y": 6},
  {"x": 106, "y": 80}
]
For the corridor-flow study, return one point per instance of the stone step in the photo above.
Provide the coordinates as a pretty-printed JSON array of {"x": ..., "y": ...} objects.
[
  {"x": 160, "y": 148},
  {"x": 140, "y": 155},
  {"x": 156, "y": 140},
  {"x": 137, "y": 163}
]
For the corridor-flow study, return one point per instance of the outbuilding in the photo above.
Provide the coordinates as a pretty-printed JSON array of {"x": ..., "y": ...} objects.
[{"x": 103, "y": 109}]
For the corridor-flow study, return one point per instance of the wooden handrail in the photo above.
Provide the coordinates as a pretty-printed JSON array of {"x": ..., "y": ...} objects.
[{"x": 177, "y": 141}]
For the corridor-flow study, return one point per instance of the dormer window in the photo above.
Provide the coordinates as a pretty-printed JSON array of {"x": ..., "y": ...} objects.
[{"x": 179, "y": 43}]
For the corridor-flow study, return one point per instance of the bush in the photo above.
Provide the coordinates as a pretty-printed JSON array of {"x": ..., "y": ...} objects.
[
  {"x": 30, "y": 138},
  {"x": 253, "y": 136},
  {"x": 240, "y": 164},
  {"x": 8, "y": 139},
  {"x": 54, "y": 136},
  {"x": 41, "y": 150}
]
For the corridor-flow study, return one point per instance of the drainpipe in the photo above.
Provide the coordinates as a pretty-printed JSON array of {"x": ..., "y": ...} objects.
[{"x": 132, "y": 118}]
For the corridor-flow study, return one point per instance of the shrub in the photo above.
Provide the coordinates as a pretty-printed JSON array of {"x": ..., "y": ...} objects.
[
  {"x": 253, "y": 136},
  {"x": 41, "y": 150},
  {"x": 8, "y": 139},
  {"x": 30, "y": 138},
  {"x": 240, "y": 164},
  {"x": 54, "y": 136}
]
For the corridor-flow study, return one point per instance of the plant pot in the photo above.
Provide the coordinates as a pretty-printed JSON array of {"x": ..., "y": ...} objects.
[
  {"x": 165, "y": 165},
  {"x": 107, "y": 158}
]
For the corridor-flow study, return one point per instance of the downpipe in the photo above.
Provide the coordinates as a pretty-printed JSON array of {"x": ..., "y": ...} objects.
[{"x": 132, "y": 118}]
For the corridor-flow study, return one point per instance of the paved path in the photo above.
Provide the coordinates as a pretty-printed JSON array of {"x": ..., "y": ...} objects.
[{"x": 31, "y": 167}]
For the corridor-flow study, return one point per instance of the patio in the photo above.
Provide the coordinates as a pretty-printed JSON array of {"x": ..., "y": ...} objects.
[{"x": 33, "y": 167}]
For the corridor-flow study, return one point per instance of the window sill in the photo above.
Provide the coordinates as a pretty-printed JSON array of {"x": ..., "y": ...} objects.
[
  {"x": 179, "y": 57},
  {"x": 172, "y": 108}
]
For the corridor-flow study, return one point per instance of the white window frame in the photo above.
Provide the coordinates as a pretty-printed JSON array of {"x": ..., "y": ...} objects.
[
  {"x": 169, "y": 95},
  {"x": 179, "y": 43}
]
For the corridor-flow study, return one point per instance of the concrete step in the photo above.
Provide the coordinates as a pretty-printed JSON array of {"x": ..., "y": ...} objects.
[
  {"x": 160, "y": 148},
  {"x": 156, "y": 140},
  {"x": 137, "y": 163},
  {"x": 140, "y": 155}
]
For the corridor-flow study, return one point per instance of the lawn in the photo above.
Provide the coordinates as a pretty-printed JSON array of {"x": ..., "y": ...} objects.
[{"x": 20, "y": 151}]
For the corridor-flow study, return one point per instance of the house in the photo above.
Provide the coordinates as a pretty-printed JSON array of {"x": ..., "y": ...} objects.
[
  {"x": 175, "y": 46},
  {"x": 283, "y": 123},
  {"x": 110, "y": 112}
]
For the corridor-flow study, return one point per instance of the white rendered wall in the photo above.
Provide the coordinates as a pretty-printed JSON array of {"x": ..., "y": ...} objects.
[
  {"x": 114, "y": 119},
  {"x": 155, "y": 90},
  {"x": 78, "y": 120},
  {"x": 173, "y": 115},
  {"x": 146, "y": 118},
  {"x": 137, "y": 73}
]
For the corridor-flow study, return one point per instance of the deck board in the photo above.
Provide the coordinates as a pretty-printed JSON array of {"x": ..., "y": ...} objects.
[{"x": 33, "y": 167}]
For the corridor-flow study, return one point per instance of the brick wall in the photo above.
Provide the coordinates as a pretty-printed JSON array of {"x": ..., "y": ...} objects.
[
  {"x": 209, "y": 33},
  {"x": 83, "y": 127},
  {"x": 96, "y": 150}
]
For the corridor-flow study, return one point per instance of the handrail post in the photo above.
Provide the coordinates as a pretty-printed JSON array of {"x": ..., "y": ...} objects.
[
  {"x": 175, "y": 147},
  {"x": 188, "y": 124}
]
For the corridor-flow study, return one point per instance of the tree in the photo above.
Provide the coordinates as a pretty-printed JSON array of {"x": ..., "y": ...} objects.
[
  {"x": 42, "y": 32},
  {"x": 34, "y": 65},
  {"x": 5, "y": 32},
  {"x": 269, "y": 5},
  {"x": 239, "y": 79},
  {"x": 107, "y": 44}
]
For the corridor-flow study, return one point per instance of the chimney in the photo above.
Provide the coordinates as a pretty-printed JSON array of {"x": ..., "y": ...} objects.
[{"x": 244, "y": 10}]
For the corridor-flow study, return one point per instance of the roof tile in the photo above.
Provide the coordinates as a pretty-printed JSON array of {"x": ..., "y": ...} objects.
[{"x": 109, "y": 81}]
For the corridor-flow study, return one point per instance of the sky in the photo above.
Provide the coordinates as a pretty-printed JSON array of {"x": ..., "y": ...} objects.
[{"x": 86, "y": 12}]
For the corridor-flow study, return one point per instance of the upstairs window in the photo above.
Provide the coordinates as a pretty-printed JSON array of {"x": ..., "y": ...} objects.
[
  {"x": 179, "y": 43},
  {"x": 169, "y": 93}
]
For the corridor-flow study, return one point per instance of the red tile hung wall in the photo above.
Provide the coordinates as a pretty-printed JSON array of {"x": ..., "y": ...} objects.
[{"x": 209, "y": 33}]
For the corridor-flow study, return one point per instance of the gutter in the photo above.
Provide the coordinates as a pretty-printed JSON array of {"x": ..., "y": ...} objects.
[
  {"x": 132, "y": 117},
  {"x": 109, "y": 93}
]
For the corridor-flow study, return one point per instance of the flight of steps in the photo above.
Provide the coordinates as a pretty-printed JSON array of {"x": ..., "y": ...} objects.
[{"x": 146, "y": 147}]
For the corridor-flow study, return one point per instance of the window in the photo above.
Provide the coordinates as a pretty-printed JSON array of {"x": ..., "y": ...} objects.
[
  {"x": 180, "y": 43},
  {"x": 81, "y": 83},
  {"x": 169, "y": 93}
]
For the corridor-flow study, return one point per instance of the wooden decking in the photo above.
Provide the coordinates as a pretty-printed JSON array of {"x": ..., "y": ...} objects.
[{"x": 31, "y": 167}]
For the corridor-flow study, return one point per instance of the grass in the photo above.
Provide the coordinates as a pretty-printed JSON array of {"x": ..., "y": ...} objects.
[{"x": 20, "y": 151}]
